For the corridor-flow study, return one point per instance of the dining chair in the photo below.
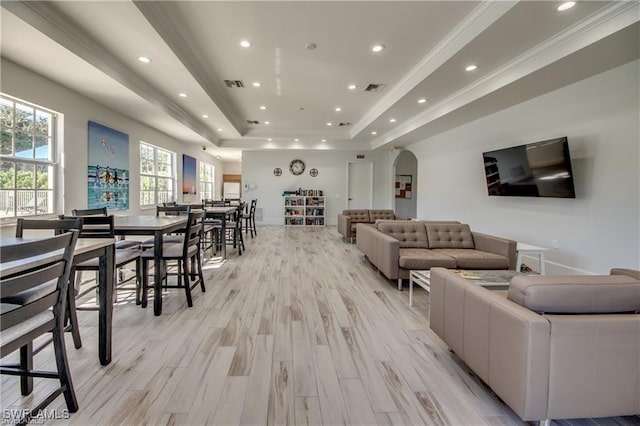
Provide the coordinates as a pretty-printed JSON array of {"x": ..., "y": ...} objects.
[
  {"x": 21, "y": 323},
  {"x": 122, "y": 243},
  {"x": 103, "y": 227},
  {"x": 188, "y": 256},
  {"x": 234, "y": 229},
  {"x": 249, "y": 219},
  {"x": 58, "y": 226}
]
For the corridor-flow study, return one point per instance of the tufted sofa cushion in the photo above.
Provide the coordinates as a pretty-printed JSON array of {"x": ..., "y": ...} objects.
[
  {"x": 411, "y": 234},
  {"x": 449, "y": 235},
  {"x": 358, "y": 216},
  {"x": 381, "y": 214}
]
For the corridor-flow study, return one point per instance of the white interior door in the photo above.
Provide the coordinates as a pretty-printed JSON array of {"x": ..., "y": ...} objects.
[{"x": 360, "y": 185}]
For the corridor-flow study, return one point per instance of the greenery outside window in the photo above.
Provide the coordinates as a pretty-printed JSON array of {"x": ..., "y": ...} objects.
[
  {"x": 157, "y": 175},
  {"x": 207, "y": 179},
  {"x": 27, "y": 159}
]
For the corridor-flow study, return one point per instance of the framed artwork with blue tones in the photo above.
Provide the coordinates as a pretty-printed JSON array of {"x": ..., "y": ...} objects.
[
  {"x": 108, "y": 168},
  {"x": 188, "y": 174}
]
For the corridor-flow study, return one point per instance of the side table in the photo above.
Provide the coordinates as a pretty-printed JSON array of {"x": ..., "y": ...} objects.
[{"x": 523, "y": 248}]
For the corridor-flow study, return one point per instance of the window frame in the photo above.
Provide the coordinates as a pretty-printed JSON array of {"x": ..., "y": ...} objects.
[
  {"x": 207, "y": 188},
  {"x": 51, "y": 193},
  {"x": 156, "y": 198}
]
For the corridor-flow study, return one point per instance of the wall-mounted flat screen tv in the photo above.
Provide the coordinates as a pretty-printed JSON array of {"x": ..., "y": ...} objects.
[{"x": 540, "y": 169}]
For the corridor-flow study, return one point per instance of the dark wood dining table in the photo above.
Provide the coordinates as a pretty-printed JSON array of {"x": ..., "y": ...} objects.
[
  {"x": 86, "y": 248},
  {"x": 221, "y": 213},
  {"x": 157, "y": 226}
]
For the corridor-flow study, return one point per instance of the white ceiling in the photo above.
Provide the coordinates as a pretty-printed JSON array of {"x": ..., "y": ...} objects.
[{"x": 522, "y": 49}]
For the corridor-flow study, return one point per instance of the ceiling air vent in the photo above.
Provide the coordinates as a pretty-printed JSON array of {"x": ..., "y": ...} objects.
[
  {"x": 238, "y": 84},
  {"x": 253, "y": 122},
  {"x": 344, "y": 124},
  {"x": 375, "y": 87}
]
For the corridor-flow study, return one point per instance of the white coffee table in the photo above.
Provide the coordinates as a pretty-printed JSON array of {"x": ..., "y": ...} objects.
[
  {"x": 491, "y": 279},
  {"x": 422, "y": 278}
]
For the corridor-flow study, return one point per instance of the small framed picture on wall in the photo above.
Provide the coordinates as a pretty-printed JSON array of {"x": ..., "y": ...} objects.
[{"x": 403, "y": 186}]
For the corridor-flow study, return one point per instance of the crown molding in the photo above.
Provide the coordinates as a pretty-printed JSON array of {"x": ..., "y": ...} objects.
[
  {"x": 599, "y": 25},
  {"x": 50, "y": 21},
  {"x": 468, "y": 29},
  {"x": 164, "y": 20}
]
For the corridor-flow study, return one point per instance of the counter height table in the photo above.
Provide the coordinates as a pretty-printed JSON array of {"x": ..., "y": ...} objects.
[
  {"x": 221, "y": 213},
  {"x": 86, "y": 248},
  {"x": 157, "y": 226}
]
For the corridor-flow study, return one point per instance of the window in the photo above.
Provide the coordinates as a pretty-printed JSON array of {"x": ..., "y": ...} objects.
[
  {"x": 27, "y": 159},
  {"x": 207, "y": 179},
  {"x": 157, "y": 175}
]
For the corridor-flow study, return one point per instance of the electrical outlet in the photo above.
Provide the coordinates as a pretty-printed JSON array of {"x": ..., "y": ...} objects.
[{"x": 554, "y": 243}]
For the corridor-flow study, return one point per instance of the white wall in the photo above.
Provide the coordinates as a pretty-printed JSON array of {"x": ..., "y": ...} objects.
[
  {"x": 257, "y": 172},
  {"x": 407, "y": 164},
  {"x": 599, "y": 229},
  {"x": 77, "y": 110}
]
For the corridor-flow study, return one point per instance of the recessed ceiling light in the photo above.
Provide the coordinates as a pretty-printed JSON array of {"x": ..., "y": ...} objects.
[
  {"x": 422, "y": 100},
  {"x": 219, "y": 130},
  {"x": 352, "y": 87},
  {"x": 566, "y": 5},
  {"x": 267, "y": 122},
  {"x": 329, "y": 123},
  {"x": 205, "y": 116},
  {"x": 245, "y": 43},
  {"x": 262, "y": 107},
  {"x": 256, "y": 84},
  {"x": 144, "y": 59},
  {"x": 392, "y": 120},
  {"x": 269, "y": 139},
  {"x": 374, "y": 133},
  {"x": 296, "y": 140},
  {"x": 377, "y": 48},
  {"x": 218, "y": 157},
  {"x": 183, "y": 95},
  {"x": 338, "y": 109},
  {"x": 323, "y": 140},
  {"x": 471, "y": 68}
]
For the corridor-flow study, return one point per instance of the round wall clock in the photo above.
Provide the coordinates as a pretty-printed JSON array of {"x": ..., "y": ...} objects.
[
  {"x": 296, "y": 167},
  {"x": 313, "y": 172},
  {"x": 277, "y": 171}
]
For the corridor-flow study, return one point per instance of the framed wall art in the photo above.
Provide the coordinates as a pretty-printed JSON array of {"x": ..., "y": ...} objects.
[
  {"x": 189, "y": 176},
  {"x": 108, "y": 168},
  {"x": 403, "y": 186}
]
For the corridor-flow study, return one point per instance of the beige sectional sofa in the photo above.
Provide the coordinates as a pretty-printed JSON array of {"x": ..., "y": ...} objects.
[
  {"x": 348, "y": 219},
  {"x": 556, "y": 347},
  {"x": 397, "y": 247}
]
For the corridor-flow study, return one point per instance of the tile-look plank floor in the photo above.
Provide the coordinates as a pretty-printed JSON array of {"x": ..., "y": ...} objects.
[{"x": 300, "y": 329}]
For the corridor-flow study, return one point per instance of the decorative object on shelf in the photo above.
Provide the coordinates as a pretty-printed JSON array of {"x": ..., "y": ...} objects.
[
  {"x": 277, "y": 171},
  {"x": 296, "y": 167},
  {"x": 313, "y": 172},
  {"x": 403, "y": 186}
]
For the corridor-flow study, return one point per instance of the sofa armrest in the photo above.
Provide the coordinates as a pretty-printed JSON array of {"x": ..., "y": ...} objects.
[
  {"x": 497, "y": 245},
  {"x": 382, "y": 250},
  {"x": 344, "y": 225},
  {"x": 628, "y": 272}
]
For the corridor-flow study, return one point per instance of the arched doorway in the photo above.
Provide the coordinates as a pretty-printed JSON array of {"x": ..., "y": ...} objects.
[{"x": 405, "y": 184}]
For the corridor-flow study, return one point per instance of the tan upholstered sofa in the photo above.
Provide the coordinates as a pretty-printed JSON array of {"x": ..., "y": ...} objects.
[
  {"x": 397, "y": 247},
  {"x": 556, "y": 347},
  {"x": 348, "y": 219}
]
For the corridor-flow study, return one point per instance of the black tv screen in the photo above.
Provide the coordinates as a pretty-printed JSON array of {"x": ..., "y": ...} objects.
[{"x": 540, "y": 169}]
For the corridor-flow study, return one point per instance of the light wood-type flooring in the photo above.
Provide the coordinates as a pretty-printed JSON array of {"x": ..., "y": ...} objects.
[{"x": 300, "y": 329}]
